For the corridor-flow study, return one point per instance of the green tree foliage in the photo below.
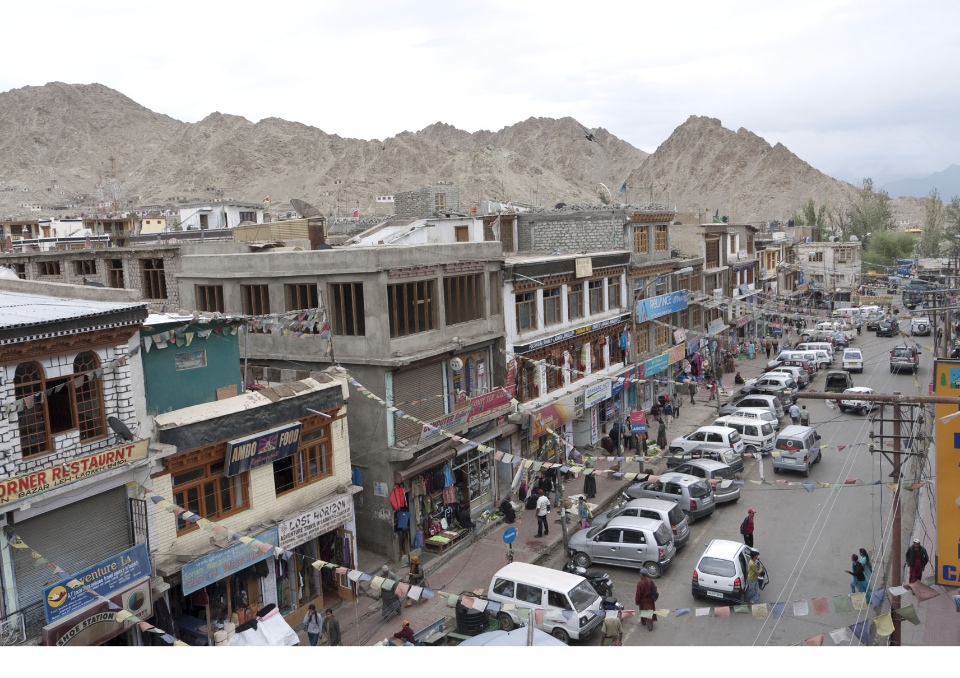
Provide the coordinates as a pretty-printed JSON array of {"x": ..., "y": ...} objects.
[
  {"x": 952, "y": 218},
  {"x": 870, "y": 214},
  {"x": 888, "y": 246},
  {"x": 934, "y": 222},
  {"x": 812, "y": 216}
]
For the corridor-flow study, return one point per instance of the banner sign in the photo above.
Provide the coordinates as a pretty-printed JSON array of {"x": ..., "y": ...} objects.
[
  {"x": 655, "y": 365},
  {"x": 550, "y": 417},
  {"x": 570, "y": 334},
  {"x": 214, "y": 567},
  {"x": 677, "y": 353},
  {"x": 106, "y": 578},
  {"x": 70, "y": 471},
  {"x": 262, "y": 448},
  {"x": 97, "y": 623},
  {"x": 618, "y": 386},
  {"x": 597, "y": 393},
  {"x": 947, "y": 563},
  {"x": 313, "y": 523},
  {"x": 450, "y": 421},
  {"x": 717, "y": 326},
  {"x": 664, "y": 304},
  {"x": 638, "y": 421}
]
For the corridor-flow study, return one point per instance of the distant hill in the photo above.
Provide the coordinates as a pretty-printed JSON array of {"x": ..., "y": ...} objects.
[{"x": 947, "y": 183}]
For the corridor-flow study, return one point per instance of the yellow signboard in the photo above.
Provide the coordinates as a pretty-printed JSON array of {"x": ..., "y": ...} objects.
[
  {"x": 584, "y": 267},
  {"x": 948, "y": 474}
]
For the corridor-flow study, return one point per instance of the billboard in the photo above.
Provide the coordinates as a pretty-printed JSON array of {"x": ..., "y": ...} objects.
[
  {"x": 947, "y": 383},
  {"x": 664, "y": 304},
  {"x": 262, "y": 448}
]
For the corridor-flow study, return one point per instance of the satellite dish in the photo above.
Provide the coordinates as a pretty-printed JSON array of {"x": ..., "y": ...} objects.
[
  {"x": 456, "y": 364},
  {"x": 604, "y": 194},
  {"x": 304, "y": 209},
  {"x": 854, "y": 238},
  {"x": 119, "y": 428}
]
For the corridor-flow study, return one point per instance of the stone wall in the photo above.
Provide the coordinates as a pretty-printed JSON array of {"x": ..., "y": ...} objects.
[{"x": 422, "y": 202}]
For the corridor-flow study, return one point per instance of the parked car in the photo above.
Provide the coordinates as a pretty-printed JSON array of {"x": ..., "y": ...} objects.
[
  {"x": 784, "y": 387},
  {"x": 728, "y": 457},
  {"x": 798, "y": 374},
  {"x": 888, "y": 328},
  {"x": 757, "y": 435},
  {"x": 873, "y": 320},
  {"x": 768, "y": 402},
  {"x": 657, "y": 509},
  {"x": 920, "y": 326},
  {"x": 774, "y": 365},
  {"x": 693, "y": 494},
  {"x": 721, "y": 572},
  {"x": 861, "y": 406},
  {"x": 708, "y": 437},
  {"x": 841, "y": 340},
  {"x": 852, "y": 360},
  {"x": 905, "y": 358},
  {"x": 756, "y": 413},
  {"x": 720, "y": 476},
  {"x": 798, "y": 448},
  {"x": 837, "y": 381},
  {"x": 627, "y": 542}
]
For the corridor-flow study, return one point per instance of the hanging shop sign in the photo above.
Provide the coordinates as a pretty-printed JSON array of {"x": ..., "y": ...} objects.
[
  {"x": 488, "y": 402},
  {"x": 597, "y": 393},
  {"x": 97, "y": 623},
  {"x": 584, "y": 267},
  {"x": 679, "y": 335},
  {"x": 742, "y": 322},
  {"x": 315, "y": 522},
  {"x": 214, "y": 567},
  {"x": 106, "y": 578},
  {"x": 450, "y": 421},
  {"x": 563, "y": 411},
  {"x": 664, "y": 304},
  {"x": 947, "y": 563},
  {"x": 717, "y": 326},
  {"x": 44, "y": 480},
  {"x": 638, "y": 421},
  {"x": 677, "y": 353},
  {"x": 655, "y": 365},
  {"x": 570, "y": 334},
  {"x": 262, "y": 448},
  {"x": 618, "y": 386}
]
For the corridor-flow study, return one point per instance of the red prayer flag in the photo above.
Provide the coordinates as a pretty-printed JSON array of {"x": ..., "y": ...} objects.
[{"x": 821, "y": 606}]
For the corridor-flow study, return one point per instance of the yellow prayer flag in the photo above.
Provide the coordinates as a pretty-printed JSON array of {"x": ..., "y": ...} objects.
[
  {"x": 122, "y": 616},
  {"x": 884, "y": 624},
  {"x": 859, "y": 601},
  {"x": 759, "y": 611}
]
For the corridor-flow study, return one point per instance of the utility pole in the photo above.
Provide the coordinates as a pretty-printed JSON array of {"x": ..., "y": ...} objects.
[{"x": 896, "y": 566}]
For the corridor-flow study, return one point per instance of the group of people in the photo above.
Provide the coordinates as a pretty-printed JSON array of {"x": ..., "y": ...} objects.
[
  {"x": 799, "y": 415},
  {"x": 326, "y": 630},
  {"x": 861, "y": 571}
]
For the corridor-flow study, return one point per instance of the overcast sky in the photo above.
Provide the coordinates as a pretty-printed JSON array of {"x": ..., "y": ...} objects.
[{"x": 855, "y": 88}]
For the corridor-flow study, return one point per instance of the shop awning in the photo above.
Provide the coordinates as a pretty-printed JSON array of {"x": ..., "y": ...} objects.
[
  {"x": 442, "y": 453},
  {"x": 506, "y": 430}
]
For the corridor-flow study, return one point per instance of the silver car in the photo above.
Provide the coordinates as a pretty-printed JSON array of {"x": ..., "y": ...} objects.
[
  {"x": 720, "y": 476},
  {"x": 667, "y": 512},
  {"x": 693, "y": 494},
  {"x": 628, "y": 542}
]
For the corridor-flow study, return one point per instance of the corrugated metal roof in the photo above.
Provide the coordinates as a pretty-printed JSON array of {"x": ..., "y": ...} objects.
[{"x": 24, "y": 310}]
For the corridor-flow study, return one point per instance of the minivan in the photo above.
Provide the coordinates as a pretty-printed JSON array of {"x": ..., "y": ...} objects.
[
  {"x": 825, "y": 346},
  {"x": 693, "y": 494},
  {"x": 809, "y": 356},
  {"x": 797, "y": 449},
  {"x": 798, "y": 373},
  {"x": 666, "y": 511},
  {"x": 720, "y": 476},
  {"x": 627, "y": 542},
  {"x": 540, "y": 588},
  {"x": 783, "y": 386},
  {"x": 758, "y": 436},
  {"x": 708, "y": 437},
  {"x": 767, "y": 402},
  {"x": 757, "y": 413}
]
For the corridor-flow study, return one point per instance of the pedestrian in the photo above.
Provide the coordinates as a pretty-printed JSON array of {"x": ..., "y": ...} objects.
[
  {"x": 692, "y": 390},
  {"x": 661, "y": 435},
  {"x": 754, "y": 570},
  {"x": 606, "y": 442},
  {"x": 464, "y": 518},
  {"x": 590, "y": 485},
  {"x": 545, "y": 484},
  {"x": 867, "y": 568},
  {"x": 795, "y": 414},
  {"x": 746, "y": 528},
  {"x": 713, "y": 391},
  {"x": 678, "y": 403},
  {"x": 612, "y": 629},
  {"x": 543, "y": 508},
  {"x": 646, "y": 597},
  {"x": 405, "y": 633},
  {"x": 389, "y": 602},
  {"x": 668, "y": 410},
  {"x": 506, "y": 508},
  {"x": 917, "y": 559},
  {"x": 584, "y": 513},
  {"x": 655, "y": 411},
  {"x": 776, "y": 346},
  {"x": 313, "y": 625},
  {"x": 615, "y": 436},
  {"x": 859, "y": 581},
  {"x": 331, "y": 629},
  {"x": 804, "y": 416},
  {"x": 414, "y": 576},
  {"x": 738, "y": 379},
  {"x": 766, "y": 347},
  {"x": 629, "y": 441}
]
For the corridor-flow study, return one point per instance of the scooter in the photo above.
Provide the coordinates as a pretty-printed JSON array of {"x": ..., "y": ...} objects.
[{"x": 600, "y": 581}]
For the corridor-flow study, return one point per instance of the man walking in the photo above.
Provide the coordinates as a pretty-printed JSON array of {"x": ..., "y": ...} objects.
[
  {"x": 804, "y": 416},
  {"x": 331, "y": 628},
  {"x": 612, "y": 629},
  {"x": 692, "y": 390},
  {"x": 543, "y": 508},
  {"x": 917, "y": 559},
  {"x": 746, "y": 528},
  {"x": 754, "y": 570},
  {"x": 389, "y": 601},
  {"x": 795, "y": 414}
]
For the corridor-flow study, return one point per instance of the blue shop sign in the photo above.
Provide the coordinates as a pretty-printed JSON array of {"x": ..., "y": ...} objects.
[
  {"x": 618, "y": 386},
  {"x": 61, "y": 601},
  {"x": 225, "y": 562},
  {"x": 664, "y": 304},
  {"x": 655, "y": 365},
  {"x": 262, "y": 448}
]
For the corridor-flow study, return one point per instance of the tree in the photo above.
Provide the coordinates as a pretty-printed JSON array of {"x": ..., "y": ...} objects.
[
  {"x": 888, "y": 246},
  {"x": 815, "y": 218},
  {"x": 952, "y": 218},
  {"x": 870, "y": 214},
  {"x": 935, "y": 218}
]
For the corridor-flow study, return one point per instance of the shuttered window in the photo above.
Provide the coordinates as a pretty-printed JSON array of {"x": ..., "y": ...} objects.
[{"x": 417, "y": 385}]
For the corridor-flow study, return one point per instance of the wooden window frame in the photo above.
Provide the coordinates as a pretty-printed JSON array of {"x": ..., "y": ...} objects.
[
  {"x": 412, "y": 307},
  {"x": 496, "y": 290},
  {"x": 595, "y": 296},
  {"x": 85, "y": 267},
  {"x": 440, "y": 201},
  {"x": 696, "y": 316},
  {"x": 641, "y": 239},
  {"x": 209, "y": 298},
  {"x": 48, "y": 268},
  {"x": 662, "y": 335},
  {"x": 300, "y": 296},
  {"x": 211, "y": 463},
  {"x": 21, "y": 270},
  {"x": 614, "y": 293},
  {"x": 247, "y": 215},
  {"x": 712, "y": 247},
  {"x": 528, "y": 380},
  {"x": 526, "y": 301},
  {"x": 463, "y": 298},
  {"x": 154, "y": 278},
  {"x": 254, "y": 299},
  {"x": 347, "y": 309},
  {"x": 115, "y": 273},
  {"x": 552, "y": 306},
  {"x": 461, "y": 233},
  {"x": 660, "y": 238},
  {"x": 316, "y": 447},
  {"x": 575, "y": 301},
  {"x": 89, "y": 410},
  {"x": 643, "y": 338}
]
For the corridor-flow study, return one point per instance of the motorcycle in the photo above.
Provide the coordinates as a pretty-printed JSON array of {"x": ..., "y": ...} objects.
[{"x": 599, "y": 581}]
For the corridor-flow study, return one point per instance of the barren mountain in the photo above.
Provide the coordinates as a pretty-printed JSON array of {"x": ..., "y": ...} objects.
[{"x": 57, "y": 142}]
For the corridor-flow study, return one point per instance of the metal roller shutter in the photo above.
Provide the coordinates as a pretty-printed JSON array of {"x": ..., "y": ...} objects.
[
  {"x": 424, "y": 384},
  {"x": 74, "y": 537}
]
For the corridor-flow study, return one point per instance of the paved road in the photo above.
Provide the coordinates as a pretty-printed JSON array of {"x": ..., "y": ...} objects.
[{"x": 805, "y": 539}]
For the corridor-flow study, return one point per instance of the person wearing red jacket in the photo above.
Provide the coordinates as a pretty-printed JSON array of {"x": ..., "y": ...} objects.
[
  {"x": 646, "y": 590},
  {"x": 405, "y": 633}
]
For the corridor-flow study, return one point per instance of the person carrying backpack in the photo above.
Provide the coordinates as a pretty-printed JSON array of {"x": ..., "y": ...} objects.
[{"x": 746, "y": 528}]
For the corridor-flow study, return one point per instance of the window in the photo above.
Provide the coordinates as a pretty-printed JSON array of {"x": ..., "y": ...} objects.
[
  {"x": 204, "y": 490},
  {"x": 683, "y": 318},
  {"x": 552, "y": 306},
  {"x": 595, "y": 288},
  {"x": 613, "y": 293},
  {"x": 48, "y": 267},
  {"x": 732, "y": 239},
  {"x": 526, "y": 305},
  {"x": 412, "y": 308},
  {"x": 749, "y": 244},
  {"x": 610, "y": 536},
  {"x": 21, "y": 271},
  {"x": 529, "y": 594},
  {"x": 346, "y": 300},
  {"x": 696, "y": 316},
  {"x": 815, "y": 256},
  {"x": 32, "y": 421},
  {"x": 209, "y": 298},
  {"x": 496, "y": 289},
  {"x": 248, "y": 216},
  {"x": 643, "y": 338},
  {"x": 845, "y": 254},
  {"x": 529, "y": 378},
  {"x": 575, "y": 301},
  {"x": 463, "y": 298},
  {"x": 662, "y": 334},
  {"x": 558, "y": 600},
  {"x": 300, "y": 296},
  {"x": 441, "y": 201},
  {"x": 154, "y": 279},
  {"x": 633, "y": 537},
  {"x": 255, "y": 299},
  {"x": 462, "y": 233},
  {"x": 641, "y": 241},
  {"x": 89, "y": 398},
  {"x": 660, "y": 244},
  {"x": 503, "y": 587},
  {"x": 115, "y": 268},
  {"x": 312, "y": 462},
  {"x": 713, "y": 252},
  {"x": 85, "y": 267}
]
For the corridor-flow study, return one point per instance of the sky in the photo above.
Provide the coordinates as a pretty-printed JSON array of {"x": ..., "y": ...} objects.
[{"x": 855, "y": 88}]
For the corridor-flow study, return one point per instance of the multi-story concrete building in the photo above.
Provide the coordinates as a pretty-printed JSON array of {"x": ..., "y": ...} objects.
[
  {"x": 204, "y": 216},
  {"x": 831, "y": 270}
]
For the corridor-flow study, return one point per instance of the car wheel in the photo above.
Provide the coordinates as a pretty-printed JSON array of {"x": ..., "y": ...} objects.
[
  {"x": 806, "y": 471},
  {"x": 751, "y": 450},
  {"x": 505, "y": 621},
  {"x": 864, "y": 410},
  {"x": 819, "y": 457},
  {"x": 891, "y": 369},
  {"x": 693, "y": 592},
  {"x": 676, "y": 450},
  {"x": 582, "y": 559},
  {"x": 843, "y": 410},
  {"x": 653, "y": 569},
  {"x": 560, "y": 635},
  {"x": 776, "y": 469}
]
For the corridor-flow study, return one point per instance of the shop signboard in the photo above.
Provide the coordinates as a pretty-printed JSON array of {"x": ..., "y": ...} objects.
[
  {"x": 742, "y": 322},
  {"x": 677, "y": 353},
  {"x": 638, "y": 421},
  {"x": 618, "y": 386},
  {"x": 315, "y": 522},
  {"x": 570, "y": 334},
  {"x": 597, "y": 393},
  {"x": 262, "y": 448},
  {"x": 452, "y": 420},
  {"x": 717, "y": 326},
  {"x": 594, "y": 425},
  {"x": 947, "y": 563},
  {"x": 69, "y": 471},
  {"x": 563, "y": 411},
  {"x": 777, "y": 329},
  {"x": 680, "y": 335},
  {"x": 655, "y": 365},
  {"x": 661, "y": 305},
  {"x": 215, "y": 566},
  {"x": 106, "y": 578},
  {"x": 488, "y": 402},
  {"x": 584, "y": 267},
  {"x": 97, "y": 623}
]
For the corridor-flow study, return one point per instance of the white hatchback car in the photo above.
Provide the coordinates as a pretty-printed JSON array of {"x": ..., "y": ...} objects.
[
  {"x": 852, "y": 360},
  {"x": 721, "y": 572},
  {"x": 708, "y": 437},
  {"x": 860, "y": 406}
]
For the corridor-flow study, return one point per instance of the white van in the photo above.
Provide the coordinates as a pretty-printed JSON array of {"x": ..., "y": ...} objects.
[
  {"x": 758, "y": 436},
  {"x": 809, "y": 356},
  {"x": 816, "y": 346},
  {"x": 542, "y": 588},
  {"x": 867, "y": 310},
  {"x": 850, "y": 314}
]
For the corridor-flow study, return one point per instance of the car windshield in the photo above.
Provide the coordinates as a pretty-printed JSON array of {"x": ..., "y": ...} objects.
[
  {"x": 724, "y": 474},
  {"x": 766, "y": 429},
  {"x": 718, "y": 567},
  {"x": 595, "y": 531},
  {"x": 663, "y": 535},
  {"x": 675, "y": 515},
  {"x": 699, "y": 489},
  {"x": 582, "y": 596},
  {"x": 853, "y": 355}
]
